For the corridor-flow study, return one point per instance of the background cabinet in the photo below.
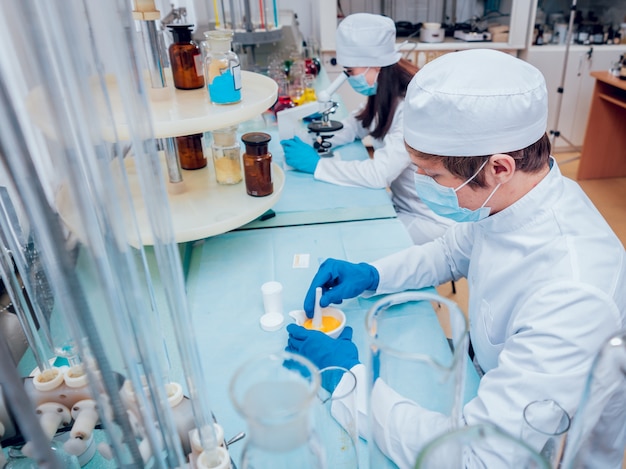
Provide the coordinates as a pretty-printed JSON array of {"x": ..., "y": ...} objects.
[
  {"x": 577, "y": 86},
  {"x": 517, "y": 15},
  {"x": 581, "y": 61}
]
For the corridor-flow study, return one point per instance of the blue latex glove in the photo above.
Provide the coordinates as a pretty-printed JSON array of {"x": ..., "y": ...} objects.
[
  {"x": 321, "y": 349},
  {"x": 340, "y": 280},
  {"x": 299, "y": 155}
]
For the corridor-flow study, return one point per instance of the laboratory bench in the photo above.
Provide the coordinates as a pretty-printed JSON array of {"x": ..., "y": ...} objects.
[
  {"x": 224, "y": 293},
  {"x": 308, "y": 221}
]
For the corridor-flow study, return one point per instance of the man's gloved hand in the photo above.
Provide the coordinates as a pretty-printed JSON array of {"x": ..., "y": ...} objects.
[
  {"x": 340, "y": 280},
  {"x": 299, "y": 155},
  {"x": 321, "y": 349}
]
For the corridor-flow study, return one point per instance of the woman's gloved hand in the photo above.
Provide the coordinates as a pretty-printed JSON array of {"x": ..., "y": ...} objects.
[
  {"x": 299, "y": 155},
  {"x": 340, "y": 280},
  {"x": 321, "y": 349}
]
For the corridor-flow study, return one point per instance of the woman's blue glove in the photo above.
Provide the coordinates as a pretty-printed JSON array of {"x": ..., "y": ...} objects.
[
  {"x": 340, "y": 280},
  {"x": 321, "y": 349},
  {"x": 299, "y": 155}
]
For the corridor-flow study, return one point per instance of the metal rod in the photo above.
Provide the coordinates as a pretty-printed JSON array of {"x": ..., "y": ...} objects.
[
  {"x": 171, "y": 160},
  {"x": 555, "y": 131},
  {"x": 150, "y": 33},
  {"x": 24, "y": 411},
  {"x": 248, "y": 22},
  {"x": 232, "y": 14}
]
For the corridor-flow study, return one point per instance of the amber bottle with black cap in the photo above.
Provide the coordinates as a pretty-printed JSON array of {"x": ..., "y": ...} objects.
[
  {"x": 190, "y": 153},
  {"x": 257, "y": 164},
  {"x": 185, "y": 58}
]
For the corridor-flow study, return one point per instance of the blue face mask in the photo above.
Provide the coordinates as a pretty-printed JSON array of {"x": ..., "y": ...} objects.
[
  {"x": 443, "y": 200},
  {"x": 360, "y": 85}
]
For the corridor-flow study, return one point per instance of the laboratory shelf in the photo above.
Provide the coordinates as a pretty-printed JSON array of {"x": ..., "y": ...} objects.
[
  {"x": 174, "y": 112},
  {"x": 199, "y": 206}
]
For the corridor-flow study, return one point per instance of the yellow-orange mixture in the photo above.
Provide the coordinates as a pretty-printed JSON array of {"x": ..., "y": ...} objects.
[{"x": 329, "y": 323}]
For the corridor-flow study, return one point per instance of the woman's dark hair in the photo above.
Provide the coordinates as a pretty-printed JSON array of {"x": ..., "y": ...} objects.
[
  {"x": 531, "y": 159},
  {"x": 381, "y": 107}
]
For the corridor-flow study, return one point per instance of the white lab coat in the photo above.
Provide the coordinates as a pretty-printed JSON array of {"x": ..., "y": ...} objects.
[
  {"x": 547, "y": 284},
  {"x": 391, "y": 167}
]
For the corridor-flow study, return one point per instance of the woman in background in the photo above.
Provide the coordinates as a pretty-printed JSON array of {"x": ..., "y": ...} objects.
[{"x": 366, "y": 48}]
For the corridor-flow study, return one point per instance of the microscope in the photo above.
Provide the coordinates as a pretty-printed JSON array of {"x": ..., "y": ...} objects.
[{"x": 321, "y": 126}]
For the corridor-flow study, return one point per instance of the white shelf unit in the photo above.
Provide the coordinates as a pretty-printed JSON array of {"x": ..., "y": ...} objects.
[{"x": 199, "y": 206}]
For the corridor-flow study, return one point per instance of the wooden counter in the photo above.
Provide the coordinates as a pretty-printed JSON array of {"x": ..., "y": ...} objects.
[{"x": 604, "y": 148}]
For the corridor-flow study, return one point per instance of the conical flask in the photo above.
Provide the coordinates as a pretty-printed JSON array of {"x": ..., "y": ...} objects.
[
  {"x": 601, "y": 406},
  {"x": 418, "y": 364},
  {"x": 276, "y": 394},
  {"x": 483, "y": 445}
]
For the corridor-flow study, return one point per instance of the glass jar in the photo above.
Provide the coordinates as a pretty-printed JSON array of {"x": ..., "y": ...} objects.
[
  {"x": 190, "y": 153},
  {"x": 185, "y": 58},
  {"x": 309, "y": 95},
  {"x": 276, "y": 394},
  {"x": 226, "y": 155},
  {"x": 222, "y": 68},
  {"x": 283, "y": 101},
  {"x": 257, "y": 164}
]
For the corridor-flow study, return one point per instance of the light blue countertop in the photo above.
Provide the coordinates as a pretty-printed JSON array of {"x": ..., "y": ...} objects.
[{"x": 224, "y": 291}]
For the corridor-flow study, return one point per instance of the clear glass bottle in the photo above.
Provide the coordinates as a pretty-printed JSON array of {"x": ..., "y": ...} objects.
[
  {"x": 257, "y": 164},
  {"x": 190, "y": 152},
  {"x": 222, "y": 68},
  {"x": 284, "y": 100},
  {"x": 276, "y": 395},
  {"x": 226, "y": 155},
  {"x": 296, "y": 82},
  {"x": 185, "y": 58},
  {"x": 309, "y": 95}
]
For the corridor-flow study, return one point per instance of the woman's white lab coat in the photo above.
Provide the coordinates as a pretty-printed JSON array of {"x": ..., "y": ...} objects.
[
  {"x": 547, "y": 284},
  {"x": 391, "y": 167}
]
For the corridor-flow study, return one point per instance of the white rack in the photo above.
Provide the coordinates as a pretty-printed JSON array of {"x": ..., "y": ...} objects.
[{"x": 199, "y": 206}]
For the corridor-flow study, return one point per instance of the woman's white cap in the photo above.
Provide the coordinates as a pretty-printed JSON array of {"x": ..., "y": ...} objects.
[
  {"x": 473, "y": 103},
  {"x": 366, "y": 40}
]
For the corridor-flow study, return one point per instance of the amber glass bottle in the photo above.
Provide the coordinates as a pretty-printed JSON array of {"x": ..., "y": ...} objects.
[
  {"x": 190, "y": 152},
  {"x": 185, "y": 58},
  {"x": 257, "y": 164}
]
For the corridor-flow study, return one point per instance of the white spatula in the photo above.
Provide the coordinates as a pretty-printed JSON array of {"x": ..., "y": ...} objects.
[{"x": 317, "y": 310}]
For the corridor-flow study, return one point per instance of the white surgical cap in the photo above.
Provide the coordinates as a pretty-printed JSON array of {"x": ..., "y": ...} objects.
[
  {"x": 475, "y": 102},
  {"x": 366, "y": 40}
]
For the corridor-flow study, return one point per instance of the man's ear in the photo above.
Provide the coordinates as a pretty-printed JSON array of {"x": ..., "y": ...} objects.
[{"x": 501, "y": 168}]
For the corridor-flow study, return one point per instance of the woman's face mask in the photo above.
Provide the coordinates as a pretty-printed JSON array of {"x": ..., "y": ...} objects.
[
  {"x": 360, "y": 85},
  {"x": 444, "y": 202}
]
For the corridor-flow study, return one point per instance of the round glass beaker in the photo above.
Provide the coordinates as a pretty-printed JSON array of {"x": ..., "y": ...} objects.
[
  {"x": 545, "y": 426},
  {"x": 226, "y": 155},
  {"x": 418, "y": 344},
  {"x": 275, "y": 394},
  {"x": 483, "y": 445}
]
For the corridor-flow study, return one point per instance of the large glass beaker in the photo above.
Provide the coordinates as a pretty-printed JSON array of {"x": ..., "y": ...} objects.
[
  {"x": 601, "y": 406},
  {"x": 276, "y": 394},
  {"x": 483, "y": 445},
  {"x": 418, "y": 344}
]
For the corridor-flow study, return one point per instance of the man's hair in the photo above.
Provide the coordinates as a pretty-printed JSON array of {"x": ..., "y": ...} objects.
[
  {"x": 531, "y": 159},
  {"x": 393, "y": 81}
]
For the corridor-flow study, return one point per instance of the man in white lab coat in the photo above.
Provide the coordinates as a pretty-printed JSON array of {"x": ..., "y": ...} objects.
[{"x": 546, "y": 274}]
